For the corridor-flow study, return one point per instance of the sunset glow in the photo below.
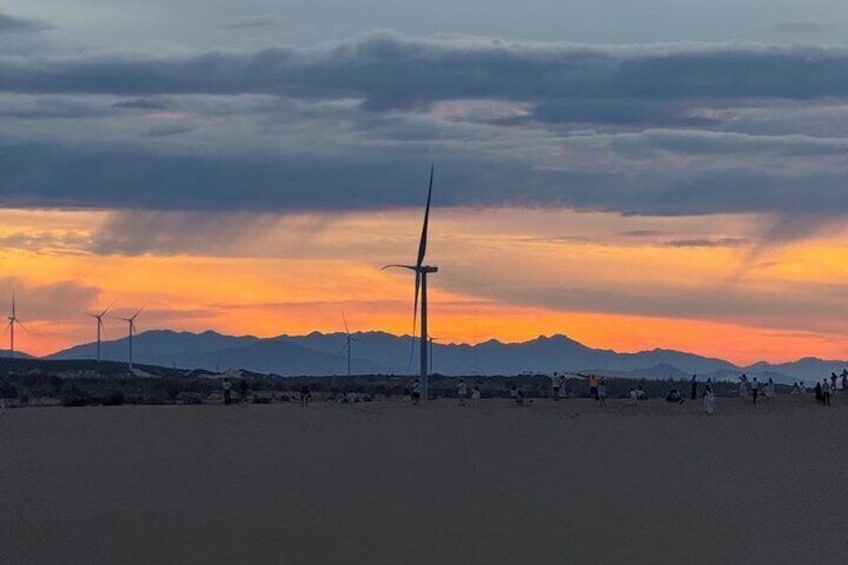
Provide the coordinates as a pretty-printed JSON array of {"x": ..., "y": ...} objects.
[{"x": 537, "y": 273}]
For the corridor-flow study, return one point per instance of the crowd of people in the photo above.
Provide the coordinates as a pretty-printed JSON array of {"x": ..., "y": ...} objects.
[{"x": 751, "y": 389}]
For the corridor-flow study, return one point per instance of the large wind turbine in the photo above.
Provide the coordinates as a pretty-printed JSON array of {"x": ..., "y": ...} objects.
[
  {"x": 421, "y": 271},
  {"x": 99, "y": 318},
  {"x": 131, "y": 323}
]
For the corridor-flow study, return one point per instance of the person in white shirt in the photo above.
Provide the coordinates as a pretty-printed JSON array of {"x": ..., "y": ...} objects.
[
  {"x": 556, "y": 382},
  {"x": 461, "y": 392},
  {"x": 709, "y": 399},
  {"x": 770, "y": 390},
  {"x": 743, "y": 386}
]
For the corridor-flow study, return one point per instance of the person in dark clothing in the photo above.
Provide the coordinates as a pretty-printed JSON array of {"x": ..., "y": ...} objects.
[
  {"x": 826, "y": 393},
  {"x": 305, "y": 395},
  {"x": 694, "y": 392},
  {"x": 227, "y": 387},
  {"x": 755, "y": 389},
  {"x": 243, "y": 391},
  {"x": 833, "y": 378},
  {"x": 818, "y": 390}
]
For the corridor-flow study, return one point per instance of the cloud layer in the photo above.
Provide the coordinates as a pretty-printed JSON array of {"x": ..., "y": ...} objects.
[{"x": 676, "y": 129}]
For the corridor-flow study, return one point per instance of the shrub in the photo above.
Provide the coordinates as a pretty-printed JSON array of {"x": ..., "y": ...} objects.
[{"x": 114, "y": 399}]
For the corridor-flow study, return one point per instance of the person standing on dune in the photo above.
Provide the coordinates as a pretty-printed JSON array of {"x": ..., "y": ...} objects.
[
  {"x": 227, "y": 388},
  {"x": 826, "y": 392},
  {"x": 694, "y": 388},
  {"x": 755, "y": 389},
  {"x": 709, "y": 400},
  {"x": 602, "y": 392},
  {"x": 461, "y": 392}
]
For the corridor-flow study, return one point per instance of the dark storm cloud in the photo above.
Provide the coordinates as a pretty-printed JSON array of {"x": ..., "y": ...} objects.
[
  {"x": 394, "y": 72},
  {"x": 11, "y": 24},
  {"x": 39, "y": 175},
  {"x": 49, "y": 175}
]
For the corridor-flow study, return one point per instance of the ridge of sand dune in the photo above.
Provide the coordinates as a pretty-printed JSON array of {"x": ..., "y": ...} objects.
[{"x": 384, "y": 482}]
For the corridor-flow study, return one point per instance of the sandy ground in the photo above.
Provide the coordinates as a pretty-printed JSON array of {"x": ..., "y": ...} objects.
[{"x": 387, "y": 483}]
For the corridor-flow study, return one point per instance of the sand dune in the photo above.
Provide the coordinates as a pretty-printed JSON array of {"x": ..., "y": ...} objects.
[{"x": 387, "y": 483}]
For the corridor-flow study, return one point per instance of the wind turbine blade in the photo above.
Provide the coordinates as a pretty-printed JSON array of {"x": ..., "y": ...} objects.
[
  {"x": 21, "y": 324},
  {"x": 137, "y": 312},
  {"x": 347, "y": 330},
  {"x": 103, "y": 313},
  {"x": 410, "y": 267},
  {"x": 422, "y": 245}
]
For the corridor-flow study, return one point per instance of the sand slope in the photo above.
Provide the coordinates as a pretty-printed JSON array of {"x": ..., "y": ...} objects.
[{"x": 388, "y": 483}]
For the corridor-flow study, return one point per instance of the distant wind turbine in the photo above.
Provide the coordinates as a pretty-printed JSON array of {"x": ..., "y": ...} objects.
[
  {"x": 421, "y": 271},
  {"x": 99, "y": 318},
  {"x": 131, "y": 323},
  {"x": 13, "y": 319},
  {"x": 348, "y": 341}
]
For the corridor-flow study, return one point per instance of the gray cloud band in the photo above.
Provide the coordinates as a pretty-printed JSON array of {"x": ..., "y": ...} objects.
[
  {"x": 308, "y": 155},
  {"x": 391, "y": 71}
]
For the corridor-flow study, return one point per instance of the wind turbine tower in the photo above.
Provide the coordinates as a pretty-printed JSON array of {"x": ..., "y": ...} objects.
[
  {"x": 431, "y": 340},
  {"x": 131, "y": 323},
  {"x": 421, "y": 271},
  {"x": 99, "y": 318}
]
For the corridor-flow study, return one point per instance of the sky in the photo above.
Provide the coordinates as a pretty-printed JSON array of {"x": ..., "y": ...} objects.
[{"x": 634, "y": 175}]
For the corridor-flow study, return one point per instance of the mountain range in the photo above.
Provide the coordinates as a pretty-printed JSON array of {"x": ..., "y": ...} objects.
[{"x": 320, "y": 354}]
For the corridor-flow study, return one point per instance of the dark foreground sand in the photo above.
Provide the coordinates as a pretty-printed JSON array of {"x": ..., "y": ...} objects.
[{"x": 388, "y": 483}]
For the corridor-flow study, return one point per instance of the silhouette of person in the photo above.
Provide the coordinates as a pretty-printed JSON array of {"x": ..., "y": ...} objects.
[
  {"x": 694, "y": 392},
  {"x": 305, "y": 395},
  {"x": 461, "y": 391},
  {"x": 709, "y": 399},
  {"x": 227, "y": 388}
]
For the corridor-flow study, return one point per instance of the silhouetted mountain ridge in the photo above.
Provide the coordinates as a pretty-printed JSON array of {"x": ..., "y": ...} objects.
[{"x": 377, "y": 352}]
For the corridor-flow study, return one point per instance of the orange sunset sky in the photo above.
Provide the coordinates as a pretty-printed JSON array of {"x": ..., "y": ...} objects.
[{"x": 510, "y": 274}]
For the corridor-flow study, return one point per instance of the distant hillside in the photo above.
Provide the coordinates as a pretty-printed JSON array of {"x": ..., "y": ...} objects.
[
  {"x": 382, "y": 353},
  {"x": 157, "y": 347},
  {"x": 7, "y": 354}
]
